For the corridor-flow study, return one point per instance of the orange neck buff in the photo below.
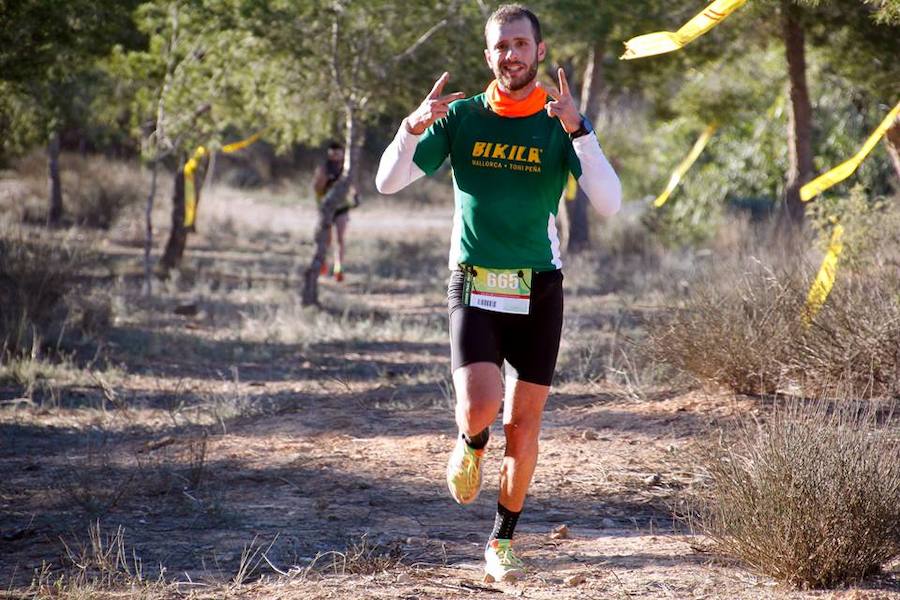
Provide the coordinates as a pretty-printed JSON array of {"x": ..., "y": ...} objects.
[{"x": 505, "y": 106}]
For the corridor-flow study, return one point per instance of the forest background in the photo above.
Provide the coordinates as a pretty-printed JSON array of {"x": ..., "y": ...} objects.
[{"x": 156, "y": 373}]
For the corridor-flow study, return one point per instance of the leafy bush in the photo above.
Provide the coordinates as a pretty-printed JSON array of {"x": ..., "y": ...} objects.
[{"x": 811, "y": 497}]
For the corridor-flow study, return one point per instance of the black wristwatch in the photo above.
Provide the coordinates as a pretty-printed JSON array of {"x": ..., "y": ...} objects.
[{"x": 584, "y": 129}]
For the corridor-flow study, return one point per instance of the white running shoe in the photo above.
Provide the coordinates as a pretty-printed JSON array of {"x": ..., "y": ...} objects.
[{"x": 500, "y": 563}]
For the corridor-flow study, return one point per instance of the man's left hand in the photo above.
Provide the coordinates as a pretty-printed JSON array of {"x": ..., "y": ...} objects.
[{"x": 563, "y": 105}]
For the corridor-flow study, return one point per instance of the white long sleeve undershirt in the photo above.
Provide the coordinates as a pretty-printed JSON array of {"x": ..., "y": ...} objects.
[
  {"x": 397, "y": 169},
  {"x": 598, "y": 179}
]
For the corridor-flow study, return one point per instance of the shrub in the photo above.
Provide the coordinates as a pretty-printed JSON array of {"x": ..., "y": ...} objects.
[
  {"x": 37, "y": 273},
  {"x": 99, "y": 190},
  {"x": 736, "y": 328},
  {"x": 811, "y": 497},
  {"x": 96, "y": 190},
  {"x": 740, "y": 323},
  {"x": 855, "y": 338}
]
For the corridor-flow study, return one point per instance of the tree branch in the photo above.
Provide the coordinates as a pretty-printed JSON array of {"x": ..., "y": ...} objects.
[
  {"x": 335, "y": 62},
  {"x": 422, "y": 40},
  {"x": 452, "y": 9}
]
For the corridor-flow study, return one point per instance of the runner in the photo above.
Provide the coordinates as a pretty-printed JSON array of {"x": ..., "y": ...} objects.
[
  {"x": 326, "y": 174},
  {"x": 511, "y": 149}
]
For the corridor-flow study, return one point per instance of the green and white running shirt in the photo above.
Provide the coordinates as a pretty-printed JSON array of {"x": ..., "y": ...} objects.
[{"x": 508, "y": 175}]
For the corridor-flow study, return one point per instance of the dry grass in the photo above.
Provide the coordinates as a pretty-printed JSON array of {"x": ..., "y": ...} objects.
[
  {"x": 740, "y": 323},
  {"x": 37, "y": 274},
  {"x": 361, "y": 557},
  {"x": 104, "y": 566},
  {"x": 96, "y": 190},
  {"x": 811, "y": 497},
  {"x": 736, "y": 328},
  {"x": 350, "y": 382},
  {"x": 855, "y": 338},
  {"x": 99, "y": 568}
]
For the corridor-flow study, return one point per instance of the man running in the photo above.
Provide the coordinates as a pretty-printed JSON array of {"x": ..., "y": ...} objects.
[
  {"x": 325, "y": 176},
  {"x": 511, "y": 149}
]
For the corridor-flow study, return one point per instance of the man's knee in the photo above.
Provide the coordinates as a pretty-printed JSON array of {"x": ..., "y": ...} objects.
[
  {"x": 477, "y": 411},
  {"x": 479, "y": 393},
  {"x": 523, "y": 429}
]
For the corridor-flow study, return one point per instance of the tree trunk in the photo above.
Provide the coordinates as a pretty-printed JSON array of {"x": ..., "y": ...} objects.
[
  {"x": 578, "y": 235},
  {"x": 178, "y": 235},
  {"x": 207, "y": 185},
  {"x": 54, "y": 214},
  {"x": 335, "y": 196},
  {"x": 148, "y": 229},
  {"x": 592, "y": 87},
  {"x": 800, "y": 158},
  {"x": 892, "y": 141}
]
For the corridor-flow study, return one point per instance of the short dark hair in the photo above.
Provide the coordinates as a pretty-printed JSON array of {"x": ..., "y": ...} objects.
[
  {"x": 335, "y": 146},
  {"x": 507, "y": 13}
]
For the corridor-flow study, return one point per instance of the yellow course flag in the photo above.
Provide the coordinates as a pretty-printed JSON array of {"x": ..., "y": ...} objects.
[
  {"x": 686, "y": 164},
  {"x": 190, "y": 167},
  {"x": 241, "y": 144},
  {"x": 667, "y": 41},
  {"x": 821, "y": 287},
  {"x": 846, "y": 168},
  {"x": 190, "y": 190}
]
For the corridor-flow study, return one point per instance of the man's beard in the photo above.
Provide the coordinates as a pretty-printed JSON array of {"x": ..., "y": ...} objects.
[{"x": 520, "y": 81}]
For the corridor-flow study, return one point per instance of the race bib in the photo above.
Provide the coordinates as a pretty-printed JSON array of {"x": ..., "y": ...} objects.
[{"x": 498, "y": 290}]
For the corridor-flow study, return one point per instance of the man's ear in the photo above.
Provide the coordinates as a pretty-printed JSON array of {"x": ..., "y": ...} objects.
[
  {"x": 542, "y": 51},
  {"x": 487, "y": 58}
]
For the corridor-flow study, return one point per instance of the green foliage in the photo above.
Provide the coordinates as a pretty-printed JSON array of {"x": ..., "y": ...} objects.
[
  {"x": 744, "y": 164},
  {"x": 47, "y": 64},
  {"x": 363, "y": 54},
  {"x": 20, "y": 121},
  {"x": 103, "y": 69},
  {"x": 870, "y": 225}
]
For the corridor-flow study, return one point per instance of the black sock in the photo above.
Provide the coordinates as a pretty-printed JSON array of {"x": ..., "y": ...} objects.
[
  {"x": 479, "y": 440},
  {"x": 504, "y": 523}
]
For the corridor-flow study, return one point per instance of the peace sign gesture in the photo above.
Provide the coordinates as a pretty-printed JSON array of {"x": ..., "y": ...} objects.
[
  {"x": 433, "y": 107},
  {"x": 563, "y": 105}
]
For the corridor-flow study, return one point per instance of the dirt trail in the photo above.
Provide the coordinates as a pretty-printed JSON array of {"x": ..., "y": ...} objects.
[{"x": 219, "y": 442}]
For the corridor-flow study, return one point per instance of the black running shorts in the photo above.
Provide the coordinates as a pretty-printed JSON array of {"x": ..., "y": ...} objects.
[{"x": 528, "y": 343}]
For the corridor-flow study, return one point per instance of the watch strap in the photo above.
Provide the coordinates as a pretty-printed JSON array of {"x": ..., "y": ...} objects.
[{"x": 584, "y": 129}]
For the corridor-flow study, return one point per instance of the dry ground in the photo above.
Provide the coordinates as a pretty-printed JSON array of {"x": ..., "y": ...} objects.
[{"x": 251, "y": 426}]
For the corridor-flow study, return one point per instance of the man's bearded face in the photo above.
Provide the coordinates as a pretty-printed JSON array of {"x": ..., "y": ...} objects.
[{"x": 512, "y": 54}]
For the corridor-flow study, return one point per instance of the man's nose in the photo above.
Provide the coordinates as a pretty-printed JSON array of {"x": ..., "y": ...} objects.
[{"x": 511, "y": 54}]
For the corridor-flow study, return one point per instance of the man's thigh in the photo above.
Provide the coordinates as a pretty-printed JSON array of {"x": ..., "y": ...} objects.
[
  {"x": 474, "y": 333},
  {"x": 531, "y": 343}
]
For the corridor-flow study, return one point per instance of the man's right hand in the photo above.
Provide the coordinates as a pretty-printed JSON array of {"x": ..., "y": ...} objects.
[{"x": 433, "y": 107}]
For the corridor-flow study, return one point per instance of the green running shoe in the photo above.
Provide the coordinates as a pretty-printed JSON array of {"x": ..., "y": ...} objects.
[
  {"x": 464, "y": 472},
  {"x": 500, "y": 563}
]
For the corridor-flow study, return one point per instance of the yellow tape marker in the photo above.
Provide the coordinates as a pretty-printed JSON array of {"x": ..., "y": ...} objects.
[
  {"x": 821, "y": 287},
  {"x": 661, "y": 42},
  {"x": 190, "y": 190},
  {"x": 686, "y": 164},
  {"x": 846, "y": 168},
  {"x": 190, "y": 167},
  {"x": 241, "y": 144}
]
